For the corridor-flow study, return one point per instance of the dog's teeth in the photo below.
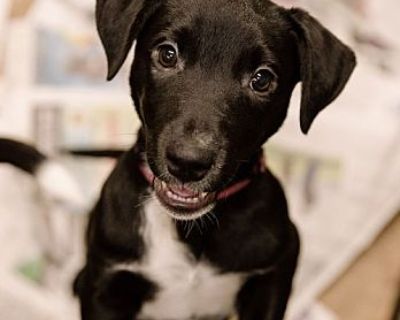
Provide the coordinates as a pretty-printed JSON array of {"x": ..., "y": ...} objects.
[
  {"x": 175, "y": 197},
  {"x": 170, "y": 194},
  {"x": 163, "y": 185},
  {"x": 192, "y": 200},
  {"x": 204, "y": 194}
]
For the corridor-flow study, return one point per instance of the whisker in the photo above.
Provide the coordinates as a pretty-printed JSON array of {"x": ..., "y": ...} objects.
[
  {"x": 145, "y": 199},
  {"x": 213, "y": 215},
  {"x": 198, "y": 227},
  {"x": 203, "y": 223},
  {"x": 213, "y": 219},
  {"x": 191, "y": 225}
]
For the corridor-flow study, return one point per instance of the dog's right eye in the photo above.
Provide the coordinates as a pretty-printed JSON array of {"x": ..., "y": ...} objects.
[
  {"x": 262, "y": 81},
  {"x": 167, "y": 56}
]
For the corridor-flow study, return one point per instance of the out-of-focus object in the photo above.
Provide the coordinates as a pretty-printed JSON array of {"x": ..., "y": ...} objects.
[
  {"x": 3, "y": 28},
  {"x": 20, "y": 8},
  {"x": 396, "y": 315},
  {"x": 69, "y": 58},
  {"x": 47, "y": 128},
  {"x": 342, "y": 181}
]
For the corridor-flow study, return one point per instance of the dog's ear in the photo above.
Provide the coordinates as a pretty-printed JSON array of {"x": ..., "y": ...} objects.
[
  {"x": 119, "y": 23},
  {"x": 325, "y": 65}
]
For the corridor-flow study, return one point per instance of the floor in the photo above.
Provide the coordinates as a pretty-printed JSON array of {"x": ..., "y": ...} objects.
[{"x": 369, "y": 288}]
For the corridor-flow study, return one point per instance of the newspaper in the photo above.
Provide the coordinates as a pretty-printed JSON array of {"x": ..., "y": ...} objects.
[{"x": 342, "y": 180}]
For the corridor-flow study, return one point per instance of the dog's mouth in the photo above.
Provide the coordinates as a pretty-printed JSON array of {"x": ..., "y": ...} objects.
[{"x": 182, "y": 202}]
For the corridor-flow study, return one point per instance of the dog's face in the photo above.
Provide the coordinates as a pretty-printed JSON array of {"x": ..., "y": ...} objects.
[{"x": 212, "y": 80}]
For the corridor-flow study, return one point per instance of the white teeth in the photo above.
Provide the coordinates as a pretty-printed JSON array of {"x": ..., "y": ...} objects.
[
  {"x": 170, "y": 194},
  {"x": 190, "y": 200},
  {"x": 181, "y": 199}
]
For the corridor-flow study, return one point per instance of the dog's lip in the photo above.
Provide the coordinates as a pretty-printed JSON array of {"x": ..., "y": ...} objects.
[{"x": 181, "y": 200}]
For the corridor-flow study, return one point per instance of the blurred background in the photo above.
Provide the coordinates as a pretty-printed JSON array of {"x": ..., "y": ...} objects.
[{"x": 342, "y": 180}]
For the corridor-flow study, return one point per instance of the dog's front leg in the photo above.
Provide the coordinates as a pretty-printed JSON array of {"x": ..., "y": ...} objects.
[
  {"x": 111, "y": 296},
  {"x": 265, "y": 296}
]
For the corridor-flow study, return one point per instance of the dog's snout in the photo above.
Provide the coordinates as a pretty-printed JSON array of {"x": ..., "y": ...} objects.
[{"x": 189, "y": 162}]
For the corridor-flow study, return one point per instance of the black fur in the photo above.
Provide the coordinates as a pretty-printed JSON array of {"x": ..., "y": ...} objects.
[
  {"x": 205, "y": 104},
  {"x": 326, "y": 65},
  {"x": 254, "y": 233},
  {"x": 20, "y": 155}
]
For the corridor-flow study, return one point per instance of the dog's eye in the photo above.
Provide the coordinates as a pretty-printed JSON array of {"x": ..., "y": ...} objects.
[
  {"x": 167, "y": 56},
  {"x": 262, "y": 80}
]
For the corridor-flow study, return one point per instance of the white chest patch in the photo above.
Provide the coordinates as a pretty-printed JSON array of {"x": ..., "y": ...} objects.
[{"x": 186, "y": 289}]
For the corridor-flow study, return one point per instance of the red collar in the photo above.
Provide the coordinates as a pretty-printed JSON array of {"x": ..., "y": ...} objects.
[{"x": 232, "y": 189}]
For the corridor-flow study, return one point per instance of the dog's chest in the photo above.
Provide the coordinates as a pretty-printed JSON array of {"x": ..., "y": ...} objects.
[{"x": 186, "y": 289}]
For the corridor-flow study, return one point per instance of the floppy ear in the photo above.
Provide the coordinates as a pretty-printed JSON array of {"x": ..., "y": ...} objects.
[
  {"x": 325, "y": 66},
  {"x": 119, "y": 23}
]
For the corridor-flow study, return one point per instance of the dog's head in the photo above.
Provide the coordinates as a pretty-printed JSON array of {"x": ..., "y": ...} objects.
[{"x": 212, "y": 80}]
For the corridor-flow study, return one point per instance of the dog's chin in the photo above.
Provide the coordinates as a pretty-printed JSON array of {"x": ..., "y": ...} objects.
[{"x": 183, "y": 203}]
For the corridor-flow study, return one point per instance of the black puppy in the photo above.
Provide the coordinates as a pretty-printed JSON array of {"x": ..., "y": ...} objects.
[{"x": 211, "y": 82}]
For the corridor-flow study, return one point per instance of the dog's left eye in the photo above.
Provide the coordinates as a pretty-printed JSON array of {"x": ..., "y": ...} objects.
[
  {"x": 262, "y": 80},
  {"x": 167, "y": 56}
]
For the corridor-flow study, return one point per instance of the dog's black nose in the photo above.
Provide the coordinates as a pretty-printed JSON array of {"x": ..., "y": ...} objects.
[{"x": 189, "y": 162}]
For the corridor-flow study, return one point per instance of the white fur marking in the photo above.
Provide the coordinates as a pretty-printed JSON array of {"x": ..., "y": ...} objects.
[{"x": 187, "y": 289}]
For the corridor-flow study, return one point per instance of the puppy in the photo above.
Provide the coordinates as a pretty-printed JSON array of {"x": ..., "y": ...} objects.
[{"x": 190, "y": 224}]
